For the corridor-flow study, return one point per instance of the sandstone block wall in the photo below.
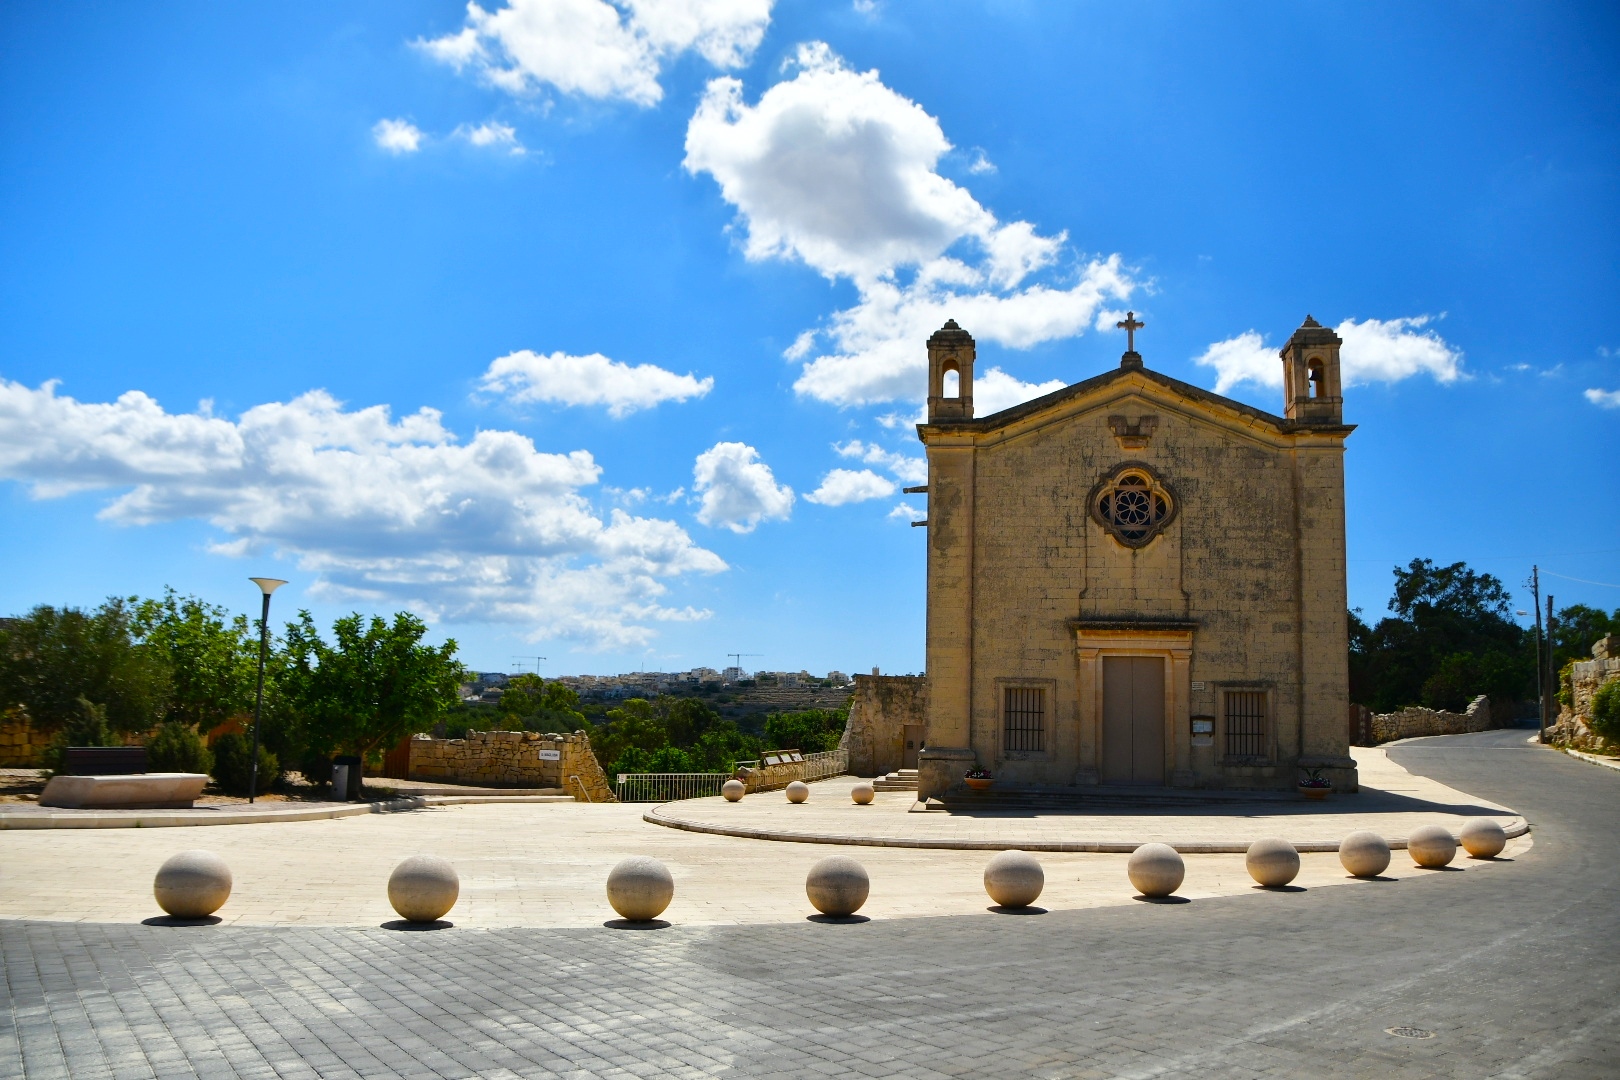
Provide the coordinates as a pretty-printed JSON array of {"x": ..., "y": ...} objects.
[
  {"x": 881, "y": 708},
  {"x": 512, "y": 759},
  {"x": 1416, "y": 722},
  {"x": 22, "y": 746},
  {"x": 1586, "y": 677}
]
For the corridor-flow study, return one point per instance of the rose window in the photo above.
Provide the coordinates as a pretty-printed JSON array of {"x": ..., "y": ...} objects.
[{"x": 1132, "y": 505}]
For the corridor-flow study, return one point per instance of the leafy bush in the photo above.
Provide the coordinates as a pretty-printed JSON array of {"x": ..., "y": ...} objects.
[
  {"x": 232, "y": 756},
  {"x": 1606, "y": 710},
  {"x": 177, "y": 747},
  {"x": 87, "y": 727},
  {"x": 811, "y": 731}
]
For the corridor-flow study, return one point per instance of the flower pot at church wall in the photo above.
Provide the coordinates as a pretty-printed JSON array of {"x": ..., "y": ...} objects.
[
  {"x": 1314, "y": 792},
  {"x": 978, "y": 783}
]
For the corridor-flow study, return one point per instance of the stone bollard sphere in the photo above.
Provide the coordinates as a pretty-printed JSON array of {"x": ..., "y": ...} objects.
[
  {"x": 640, "y": 888},
  {"x": 192, "y": 884},
  {"x": 1156, "y": 869},
  {"x": 1364, "y": 854},
  {"x": 863, "y": 793},
  {"x": 837, "y": 886},
  {"x": 1482, "y": 838},
  {"x": 1272, "y": 862},
  {"x": 1014, "y": 879},
  {"x": 423, "y": 888},
  {"x": 733, "y": 790},
  {"x": 798, "y": 791},
  {"x": 1431, "y": 846}
]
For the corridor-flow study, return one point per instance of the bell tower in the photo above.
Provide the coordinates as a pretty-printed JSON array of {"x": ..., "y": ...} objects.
[
  {"x": 1311, "y": 391},
  {"x": 950, "y": 350}
]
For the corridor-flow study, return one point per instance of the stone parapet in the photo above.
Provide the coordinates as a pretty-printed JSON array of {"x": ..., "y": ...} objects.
[
  {"x": 1417, "y": 723},
  {"x": 525, "y": 759}
]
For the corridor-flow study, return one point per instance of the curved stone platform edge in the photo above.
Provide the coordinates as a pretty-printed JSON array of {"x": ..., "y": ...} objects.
[
  {"x": 169, "y": 819},
  {"x": 1518, "y": 827}
]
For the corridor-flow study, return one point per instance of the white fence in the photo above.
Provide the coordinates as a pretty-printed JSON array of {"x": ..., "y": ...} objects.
[{"x": 668, "y": 787}]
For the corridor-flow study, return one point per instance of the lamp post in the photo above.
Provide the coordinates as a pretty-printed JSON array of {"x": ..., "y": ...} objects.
[{"x": 267, "y": 585}]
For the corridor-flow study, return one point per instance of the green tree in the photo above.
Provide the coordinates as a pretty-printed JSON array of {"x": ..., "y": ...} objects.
[
  {"x": 176, "y": 747},
  {"x": 52, "y": 658},
  {"x": 373, "y": 685},
  {"x": 1606, "y": 710},
  {"x": 1574, "y": 630},
  {"x": 633, "y": 725},
  {"x": 812, "y": 731},
  {"x": 212, "y": 657},
  {"x": 532, "y": 704},
  {"x": 1450, "y": 637}
]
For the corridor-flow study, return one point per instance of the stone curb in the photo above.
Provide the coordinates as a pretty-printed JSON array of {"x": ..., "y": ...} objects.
[
  {"x": 1606, "y": 762},
  {"x": 160, "y": 819},
  {"x": 1517, "y": 827}
]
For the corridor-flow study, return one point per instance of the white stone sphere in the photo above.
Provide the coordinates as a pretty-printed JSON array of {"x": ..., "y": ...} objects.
[
  {"x": 1482, "y": 838},
  {"x": 798, "y": 791},
  {"x": 640, "y": 888},
  {"x": 1014, "y": 879},
  {"x": 192, "y": 884},
  {"x": 1364, "y": 854},
  {"x": 837, "y": 886},
  {"x": 1431, "y": 846},
  {"x": 733, "y": 790},
  {"x": 1272, "y": 862},
  {"x": 1156, "y": 869},
  {"x": 863, "y": 793},
  {"x": 423, "y": 888}
]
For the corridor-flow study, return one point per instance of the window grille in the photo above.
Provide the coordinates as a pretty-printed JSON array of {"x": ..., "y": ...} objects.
[
  {"x": 1025, "y": 718},
  {"x": 1246, "y": 723}
]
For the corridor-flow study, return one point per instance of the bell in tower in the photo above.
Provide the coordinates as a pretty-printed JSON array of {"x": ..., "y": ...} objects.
[
  {"x": 950, "y": 351},
  {"x": 1311, "y": 391}
]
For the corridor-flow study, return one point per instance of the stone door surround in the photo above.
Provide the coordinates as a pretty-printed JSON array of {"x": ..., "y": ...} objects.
[{"x": 1171, "y": 640}]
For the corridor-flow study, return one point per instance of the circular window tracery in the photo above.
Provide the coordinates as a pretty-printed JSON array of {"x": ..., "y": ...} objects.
[{"x": 1133, "y": 505}]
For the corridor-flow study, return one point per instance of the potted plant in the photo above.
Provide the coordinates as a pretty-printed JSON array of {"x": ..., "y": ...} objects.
[
  {"x": 979, "y": 779},
  {"x": 1315, "y": 785}
]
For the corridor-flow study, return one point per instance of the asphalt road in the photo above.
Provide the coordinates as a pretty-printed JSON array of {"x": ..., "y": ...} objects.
[{"x": 1512, "y": 972}]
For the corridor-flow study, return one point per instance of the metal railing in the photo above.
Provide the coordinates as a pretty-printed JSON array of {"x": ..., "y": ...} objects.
[
  {"x": 667, "y": 787},
  {"x": 825, "y": 765}
]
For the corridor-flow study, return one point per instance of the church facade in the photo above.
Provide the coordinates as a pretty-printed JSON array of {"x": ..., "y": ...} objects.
[{"x": 1135, "y": 582}]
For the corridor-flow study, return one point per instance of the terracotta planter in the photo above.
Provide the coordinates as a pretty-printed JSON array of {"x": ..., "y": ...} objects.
[
  {"x": 1315, "y": 792},
  {"x": 979, "y": 783}
]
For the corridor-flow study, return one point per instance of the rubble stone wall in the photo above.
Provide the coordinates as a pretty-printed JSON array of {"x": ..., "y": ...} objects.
[
  {"x": 1586, "y": 676},
  {"x": 22, "y": 746},
  {"x": 878, "y": 714},
  {"x": 1418, "y": 722},
  {"x": 513, "y": 759}
]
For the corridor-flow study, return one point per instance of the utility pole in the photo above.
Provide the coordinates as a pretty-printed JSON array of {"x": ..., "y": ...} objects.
[
  {"x": 1541, "y": 692},
  {"x": 1552, "y": 663}
]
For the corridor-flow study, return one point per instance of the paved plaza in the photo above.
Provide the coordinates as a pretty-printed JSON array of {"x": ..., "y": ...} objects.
[{"x": 1505, "y": 963}]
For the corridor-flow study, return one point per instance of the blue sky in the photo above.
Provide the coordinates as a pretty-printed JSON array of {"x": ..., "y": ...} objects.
[{"x": 595, "y": 332}]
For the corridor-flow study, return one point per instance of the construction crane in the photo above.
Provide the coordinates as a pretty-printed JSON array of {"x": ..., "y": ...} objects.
[
  {"x": 526, "y": 659},
  {"x": 737, "y": 656}
]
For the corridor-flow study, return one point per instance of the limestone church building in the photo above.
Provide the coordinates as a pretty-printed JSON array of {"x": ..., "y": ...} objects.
[{"x": 1134, "y": 581}]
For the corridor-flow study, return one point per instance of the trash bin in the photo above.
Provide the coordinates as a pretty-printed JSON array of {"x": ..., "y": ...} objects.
[
  {"x": 340, "y": 782},
  {"x": 351, "y": 788}
]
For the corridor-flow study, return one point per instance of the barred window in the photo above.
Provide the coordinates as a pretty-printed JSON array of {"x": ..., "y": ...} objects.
[
  {"x": 1246, "y": 723},
  {"x": 1024, "y": 718}
]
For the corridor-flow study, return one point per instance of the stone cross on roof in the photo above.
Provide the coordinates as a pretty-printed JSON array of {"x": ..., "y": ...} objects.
[{"x": 1130, "y": 325}]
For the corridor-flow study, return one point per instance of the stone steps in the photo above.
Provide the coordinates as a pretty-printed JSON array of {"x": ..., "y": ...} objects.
[{"x": 900, "y": 780}]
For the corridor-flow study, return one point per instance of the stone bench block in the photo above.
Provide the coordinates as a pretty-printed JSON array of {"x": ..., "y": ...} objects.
[{"x": 138, "y": 791}]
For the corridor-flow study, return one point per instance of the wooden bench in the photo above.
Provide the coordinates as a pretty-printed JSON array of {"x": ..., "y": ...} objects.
[{"x": 103, "y": 760}]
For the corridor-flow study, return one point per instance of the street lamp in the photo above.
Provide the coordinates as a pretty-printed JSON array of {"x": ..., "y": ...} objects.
[{"x": 267, "y": 585}]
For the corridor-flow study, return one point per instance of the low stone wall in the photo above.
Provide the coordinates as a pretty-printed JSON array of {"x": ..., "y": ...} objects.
[
  {"x": 878, "y": 714},
  {"x": 22, "y": 746},
  {"x": 512, "y": 759},
  {"x": 1417, "y": 722}
]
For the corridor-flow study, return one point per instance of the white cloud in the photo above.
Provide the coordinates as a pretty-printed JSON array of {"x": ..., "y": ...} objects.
[
  {"x": 996, "y": 390},
  {"x": 980, "y": 165},
  {"x": 835, "y": 169},
  {"x": 397, "y": 136},
  {"x": 1604, "y": 399},
  {"x": 562, "y": 379},
  {"x": 1374, "y": 350},
  {"x": 598, "y": 50},
  {"x": 841, "y": 486},
  {"x": 907, "y": 512},
  {"x": 391, "y": 511},
  {"x": 736, "y": 489},
  {"x": 492, "y": 134},
  {"x": 911, "y": 470}
]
